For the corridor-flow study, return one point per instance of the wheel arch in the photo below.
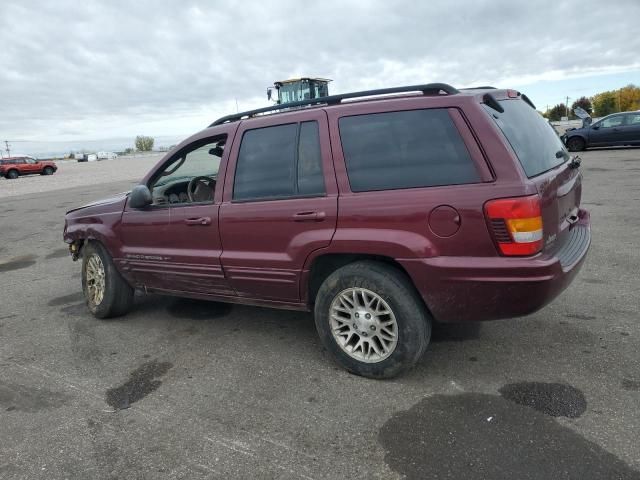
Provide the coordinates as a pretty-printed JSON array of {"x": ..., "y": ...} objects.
[{"x": 323, "y": 265}]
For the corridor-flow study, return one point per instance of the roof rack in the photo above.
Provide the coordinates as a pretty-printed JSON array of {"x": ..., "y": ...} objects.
[
  {"x": 483, "y": 87},
  {"x": 427, "y": 89}
]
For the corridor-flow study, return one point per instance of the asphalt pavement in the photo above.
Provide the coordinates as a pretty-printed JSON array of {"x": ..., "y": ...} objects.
[{"x": 183, "y": 389}]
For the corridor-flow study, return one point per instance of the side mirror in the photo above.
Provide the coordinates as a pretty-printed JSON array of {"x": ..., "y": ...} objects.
[
  {"x": 140, "y": 197},
  {"x": 595, "y": 127}
]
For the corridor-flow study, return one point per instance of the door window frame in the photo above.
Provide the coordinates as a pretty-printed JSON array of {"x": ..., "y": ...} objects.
[{"x": 297, "y": 117}]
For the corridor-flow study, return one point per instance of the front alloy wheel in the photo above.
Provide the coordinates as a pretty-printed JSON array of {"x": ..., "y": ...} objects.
[
  {"x": 95, "y": 278},
  {"x": 363, "y": 325}
]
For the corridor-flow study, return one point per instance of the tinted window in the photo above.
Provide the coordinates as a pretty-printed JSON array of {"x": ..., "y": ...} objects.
[
  {"x": 417, "y": 148},
  {"x": 271, "y": 164},
  {"x": 533, "y": 139},
  {"x": 266, "y": 163},
  {"x": 310, "y": 177}
]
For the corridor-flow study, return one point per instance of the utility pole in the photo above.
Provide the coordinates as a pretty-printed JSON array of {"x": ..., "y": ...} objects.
[
  {"x": 6, "y": 142},
  {"x": 567, "y": 107}
]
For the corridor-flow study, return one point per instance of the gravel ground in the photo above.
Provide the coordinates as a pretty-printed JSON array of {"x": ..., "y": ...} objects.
[
  {"x": 182, "y": 389},
  {"x": 73, "y": 174}
]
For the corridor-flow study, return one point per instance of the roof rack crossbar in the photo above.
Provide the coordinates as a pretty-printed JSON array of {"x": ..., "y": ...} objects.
[{"x": 427, "y": 89}]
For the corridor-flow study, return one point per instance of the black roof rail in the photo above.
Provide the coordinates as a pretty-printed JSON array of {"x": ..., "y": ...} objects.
[
  {"x": 427, "y": 89},
  {"x": 490, "y": 101},
  {"x": 483, "y": 87}
]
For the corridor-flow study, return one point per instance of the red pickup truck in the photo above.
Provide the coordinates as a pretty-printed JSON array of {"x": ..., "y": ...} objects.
[{"x": 13, "y": 167}]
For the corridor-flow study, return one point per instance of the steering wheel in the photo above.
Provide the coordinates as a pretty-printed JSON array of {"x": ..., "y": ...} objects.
[{"x": 193, "y": 184}]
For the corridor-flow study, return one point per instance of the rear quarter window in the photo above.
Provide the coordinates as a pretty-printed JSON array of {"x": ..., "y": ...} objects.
[
  {"x": 532, "y": 138},
  {"x": 408, "y": 149}
]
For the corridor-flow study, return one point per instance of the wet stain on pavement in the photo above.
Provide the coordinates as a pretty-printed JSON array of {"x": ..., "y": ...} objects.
[
  {"x": 198, "y": 309},
  {"x": 554, "y": 399},
  {"x": 631, "y": 385},
  {"x": 27, "y": 398},
  {"x": 59, "y": 253},
  {"x": 17, "y": 263},
  {"x": 142, "y": 381},
  {"x": 477, "y": 436},
  {"x": 66, "y": 299},
  {"x": 598, "y": 169}
]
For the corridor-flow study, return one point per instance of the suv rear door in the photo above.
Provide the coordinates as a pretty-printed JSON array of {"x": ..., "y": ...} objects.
[{"x": 280, "y": 203}]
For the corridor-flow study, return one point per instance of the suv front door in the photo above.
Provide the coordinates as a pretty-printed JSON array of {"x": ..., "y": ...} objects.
[
  {"x": 280, "y": 203},
  {"x": 174, "y": 244}
]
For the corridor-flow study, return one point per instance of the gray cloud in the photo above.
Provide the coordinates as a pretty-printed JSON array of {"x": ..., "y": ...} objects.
[{"x": 91, "y": 68}]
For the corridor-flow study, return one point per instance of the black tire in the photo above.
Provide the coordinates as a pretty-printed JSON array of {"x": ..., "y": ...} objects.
[
  {"x": 12, "y": 174},
  {"x": 47, "y": 171},
  {"x": 575, "y": 144},
  {"x": 118, "y": 294},
  {"x": 395, "y": 288}
]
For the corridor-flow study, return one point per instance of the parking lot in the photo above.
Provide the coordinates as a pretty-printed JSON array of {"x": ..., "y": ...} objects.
[{"x": 226, "y": 391}]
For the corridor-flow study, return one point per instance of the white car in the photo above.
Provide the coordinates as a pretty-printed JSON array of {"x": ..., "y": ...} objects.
[{"x": 107, "y": 155}]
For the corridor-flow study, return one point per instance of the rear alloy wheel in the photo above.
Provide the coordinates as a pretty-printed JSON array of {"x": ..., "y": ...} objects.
[
  {"x": 575, "y": 144},
  {"x": 12, "y": 174},
  {"x": 47, "y": 171},
  {"x": 107, "y": 294},
  {"x": 371, "y": 319},
  {"x": 364, "y": 325}
]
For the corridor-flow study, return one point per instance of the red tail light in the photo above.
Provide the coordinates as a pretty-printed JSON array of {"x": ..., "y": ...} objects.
[{"x": 517, "y": 224}]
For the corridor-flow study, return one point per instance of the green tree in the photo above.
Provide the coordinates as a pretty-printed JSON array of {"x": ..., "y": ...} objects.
[
  {"x": 144, "y": 143},
  {"x": 604, "y": 103},
  {"x": 629, "y": 98},
  {"x": 556, "y": 112},
  {"x": 584, "y": 103}
]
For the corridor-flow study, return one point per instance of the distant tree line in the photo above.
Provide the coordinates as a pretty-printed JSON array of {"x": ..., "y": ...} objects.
[{"x": 601, "y": 104}]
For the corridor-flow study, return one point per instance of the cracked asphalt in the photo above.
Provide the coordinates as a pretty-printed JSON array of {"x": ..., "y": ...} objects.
[{"x": 182, "y": 389}]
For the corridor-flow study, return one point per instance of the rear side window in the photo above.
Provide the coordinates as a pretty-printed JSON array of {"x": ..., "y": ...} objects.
[
  {"x": 533, "y": 139},
  {"x": 279, "y": 162},
  {"x": 409, "y": 149}
]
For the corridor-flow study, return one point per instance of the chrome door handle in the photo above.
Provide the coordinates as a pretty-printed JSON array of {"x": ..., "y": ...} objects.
[
  {"x": 309, "y": 217},
  {"x": 198, "y": 221}
]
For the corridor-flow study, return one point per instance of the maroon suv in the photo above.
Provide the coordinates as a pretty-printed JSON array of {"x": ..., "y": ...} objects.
[
  {"x": 13, "y": 167},
  {"x": 381, "y": 214}
]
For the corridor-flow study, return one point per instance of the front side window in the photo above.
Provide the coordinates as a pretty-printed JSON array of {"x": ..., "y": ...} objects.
[
  {"x": 30, "y": 161},
  {"x": 408, "y": 149},
  {"x": 612, "y": 121},
  {"x": 190, "y": 176},
  {"x": 278, "y": 162}
]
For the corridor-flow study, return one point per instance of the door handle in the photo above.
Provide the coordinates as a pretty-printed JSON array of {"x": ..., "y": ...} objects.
[
  {"x": 309, "y": 217},
  {"x": 198, "y": 221}
]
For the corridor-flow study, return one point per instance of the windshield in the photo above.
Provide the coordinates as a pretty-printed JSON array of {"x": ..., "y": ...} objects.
[{"x": 533, "y": 139}]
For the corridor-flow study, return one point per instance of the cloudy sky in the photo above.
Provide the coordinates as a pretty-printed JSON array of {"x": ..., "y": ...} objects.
[{"x": 93, "y": 70}]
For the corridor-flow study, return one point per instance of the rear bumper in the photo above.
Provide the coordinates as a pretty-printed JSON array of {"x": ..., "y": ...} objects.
[{"x": 461, "y": 289}]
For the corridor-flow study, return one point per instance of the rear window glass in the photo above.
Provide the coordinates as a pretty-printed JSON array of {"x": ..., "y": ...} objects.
[
  {"x": 266, "y": 163},
  {"x": 531, "y": 136},
  {"x": 409, "y": 149}
]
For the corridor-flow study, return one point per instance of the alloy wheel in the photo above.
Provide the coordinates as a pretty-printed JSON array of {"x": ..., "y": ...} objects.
[{"x": 363, "y": 325}]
